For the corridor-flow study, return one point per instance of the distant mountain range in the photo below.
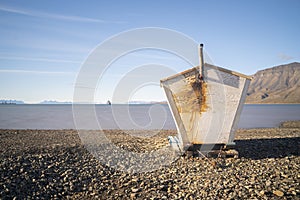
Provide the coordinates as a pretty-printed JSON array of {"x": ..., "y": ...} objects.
[
  {"x": 4, "y": 101},
  {"x": 280, "y": 84},
  {"x": 55, "y": 102}
]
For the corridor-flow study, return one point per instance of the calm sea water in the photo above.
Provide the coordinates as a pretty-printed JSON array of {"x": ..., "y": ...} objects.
[{"x": 131, "y": 117}]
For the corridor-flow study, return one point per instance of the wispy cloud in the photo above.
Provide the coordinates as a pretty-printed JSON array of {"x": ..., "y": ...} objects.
[
  {"x": 285, "y": 57},
  {"x": 13, "y": 10},
  {"x": 34, "y": 13},
  {"x": 48, "y": 44},
  {"x": 160, "y": 57},
  {"x": 37, "y": 59},
  {"x": 35, "y": 72}
]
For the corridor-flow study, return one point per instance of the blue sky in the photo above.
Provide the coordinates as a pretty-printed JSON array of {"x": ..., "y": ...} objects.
[{"x": 44, "y": 43}]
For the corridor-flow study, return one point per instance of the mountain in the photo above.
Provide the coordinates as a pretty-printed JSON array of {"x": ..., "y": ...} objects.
[
  {"x": 147, "y": 102},
  {"x": 54, "y": 102},
  {"x": 3, "y": 101},
  {"x": 280, "y": 84}
]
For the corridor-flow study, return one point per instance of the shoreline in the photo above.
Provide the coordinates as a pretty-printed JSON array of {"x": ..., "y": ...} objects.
[{"x": 55, "y": 164}]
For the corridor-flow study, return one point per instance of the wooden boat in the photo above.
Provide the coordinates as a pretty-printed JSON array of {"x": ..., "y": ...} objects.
[{"x": 206, "y": 102}]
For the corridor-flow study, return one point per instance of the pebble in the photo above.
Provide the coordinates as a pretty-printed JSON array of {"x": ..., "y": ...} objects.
[
  {"x": 278, "y": 193},
  {"x": 53, "y": 164},
  {"x": 132, "y": 195},
  {"x": 134, "y": 190},
  {"x": 268, "y": 183}
]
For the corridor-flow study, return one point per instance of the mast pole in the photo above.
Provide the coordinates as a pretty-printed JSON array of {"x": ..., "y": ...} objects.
[{"x": 201, "y": 61}]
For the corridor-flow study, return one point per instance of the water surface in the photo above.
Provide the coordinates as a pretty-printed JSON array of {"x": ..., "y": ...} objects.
[{"x": 135, "y": 117}]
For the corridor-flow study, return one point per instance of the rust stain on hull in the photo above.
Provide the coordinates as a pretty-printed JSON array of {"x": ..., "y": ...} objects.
[
  {"x": 192, "y": 97},
  {"x": 200, "y": 89}
]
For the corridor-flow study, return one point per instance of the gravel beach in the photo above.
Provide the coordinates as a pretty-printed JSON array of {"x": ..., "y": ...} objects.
[{"x": 50, "y": 164}]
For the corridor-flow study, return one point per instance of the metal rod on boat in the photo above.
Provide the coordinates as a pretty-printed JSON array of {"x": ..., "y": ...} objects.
[{"x": 201, "y": 61}]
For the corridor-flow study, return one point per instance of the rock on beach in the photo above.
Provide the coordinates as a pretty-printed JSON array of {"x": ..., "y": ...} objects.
[{"x": 55, "y": 164}]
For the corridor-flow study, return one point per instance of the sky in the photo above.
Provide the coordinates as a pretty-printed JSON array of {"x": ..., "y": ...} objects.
[{"x": 44, "y": 44}]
